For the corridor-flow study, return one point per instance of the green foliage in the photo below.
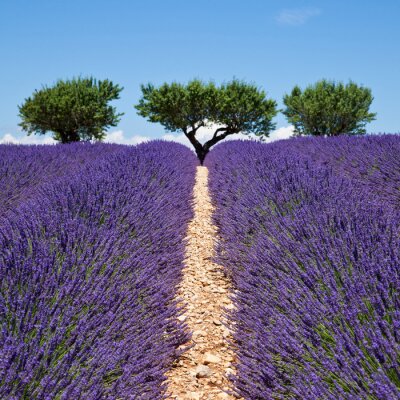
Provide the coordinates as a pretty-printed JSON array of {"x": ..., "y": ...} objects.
[
  {"x": 177, "y": 107},
  {"x": 73, "y": 110},
  {"x": 235, "y": 107},
  {"x": 329, "y": 108}
]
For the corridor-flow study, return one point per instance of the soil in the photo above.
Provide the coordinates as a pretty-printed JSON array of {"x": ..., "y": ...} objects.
[{"x": 201, "y": 372}]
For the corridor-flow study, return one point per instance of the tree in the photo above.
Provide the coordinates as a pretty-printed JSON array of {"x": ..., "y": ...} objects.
[
  {"x": 233, "y": 107},
  {"x": 329, "y": 108},
  {"x": 73, "y": 110}
]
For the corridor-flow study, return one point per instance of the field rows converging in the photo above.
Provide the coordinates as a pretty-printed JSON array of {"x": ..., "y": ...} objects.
[
  {"x": 271, "y": 272},
  {"x": 23, "y": 169},
  {"x": 311, "y": 241},
  {"x": 89, "y": 266},
  {"x": 203, "y": 369}
]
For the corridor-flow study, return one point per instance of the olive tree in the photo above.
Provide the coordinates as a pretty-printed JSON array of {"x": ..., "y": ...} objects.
[
  {"x": 234, "y": 107},
  {"x": 73, "y": 110},
  {"x": 328, "y": 108}
]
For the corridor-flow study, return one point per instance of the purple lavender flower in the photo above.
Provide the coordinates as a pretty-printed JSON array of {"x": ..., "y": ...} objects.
[
  {"x": 91, "y": 251},
  {"x": 310, "y": 234}
]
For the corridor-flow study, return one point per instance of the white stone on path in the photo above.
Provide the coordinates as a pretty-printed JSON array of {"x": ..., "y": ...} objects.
[{"x": 201, "y": 372}]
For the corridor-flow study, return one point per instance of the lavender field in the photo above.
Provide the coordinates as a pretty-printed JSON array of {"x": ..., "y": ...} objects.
[
  {"x": 91, "y": 251},
  {"x": 92, "y": 246},
  {"x": 310, "y": 236}
]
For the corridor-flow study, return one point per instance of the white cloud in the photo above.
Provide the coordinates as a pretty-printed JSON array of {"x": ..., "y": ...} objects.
[
  {"x": 204, "y": 134},
  {"x": 297, "y": 17},
  {"x": 179, "y": 138},
  {"x": 284, "y": 132},
  {"x": 119, "y": 137},
  {"x": 112, "y": 137},
  {"x": 9, "y": 138}
]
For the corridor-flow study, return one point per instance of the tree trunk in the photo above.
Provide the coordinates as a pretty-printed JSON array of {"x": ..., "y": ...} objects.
[
  {"x": 202, "y": 150},
  {"x": 68, "y": 137},
  {"x": 201, "y": 154},
  {"x": 198, "y": 147},
  {"x": 74, "y": 137}
]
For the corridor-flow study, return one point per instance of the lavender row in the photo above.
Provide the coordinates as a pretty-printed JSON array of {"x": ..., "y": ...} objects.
[
  {"x": 88, "y": 271},
  {"x": 24, "y": 168},
  {"x": 314, "y": 256},
  {"x": 371, "y": 161}
]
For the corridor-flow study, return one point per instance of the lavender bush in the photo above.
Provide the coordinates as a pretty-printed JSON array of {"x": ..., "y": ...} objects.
[
  {"x": 370, "y": 161},
  {"x": 89, "y": 266},
  {"x": 310, "y": 235},
  {"x": 24, "y": 168}
]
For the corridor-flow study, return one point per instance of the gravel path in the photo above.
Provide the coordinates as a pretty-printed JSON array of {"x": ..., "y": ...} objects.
[{"x": 200, "y": 373}]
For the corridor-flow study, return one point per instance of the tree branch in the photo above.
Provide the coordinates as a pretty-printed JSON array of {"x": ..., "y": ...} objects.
[
  {"x": 219, "y": 130},
  {"x": 192, "y": 138},
  {"x": 194, "y": 129},
  {"x": 200, "y": 125},
  {"x": 216, "y": 139}
]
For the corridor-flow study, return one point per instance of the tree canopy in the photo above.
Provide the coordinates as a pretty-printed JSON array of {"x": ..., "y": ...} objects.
[
  {"x": 73, "y": 110},
  {"x": 234, "y": 107},
  {"x": 329, "y": 108}
]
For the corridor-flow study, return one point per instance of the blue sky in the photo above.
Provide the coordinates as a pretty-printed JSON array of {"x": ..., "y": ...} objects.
[{"x": 275, "y": 44}]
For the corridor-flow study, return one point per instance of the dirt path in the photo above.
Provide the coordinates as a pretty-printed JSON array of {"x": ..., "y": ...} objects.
[{"x": 200, "y": 373}]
